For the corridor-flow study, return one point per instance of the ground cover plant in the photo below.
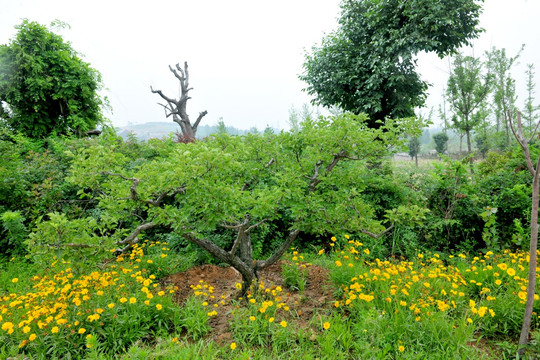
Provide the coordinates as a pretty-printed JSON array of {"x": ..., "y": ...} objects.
[{"x": 435, "y": 306}]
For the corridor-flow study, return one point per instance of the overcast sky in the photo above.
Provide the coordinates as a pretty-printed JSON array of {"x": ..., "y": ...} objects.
[{"x": 244, "y": 56}]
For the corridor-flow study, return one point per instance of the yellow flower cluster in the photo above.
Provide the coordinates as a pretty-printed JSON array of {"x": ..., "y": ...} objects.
[
  {"x": 59, "y": 302},
  {"x": 429, "y": 285}
]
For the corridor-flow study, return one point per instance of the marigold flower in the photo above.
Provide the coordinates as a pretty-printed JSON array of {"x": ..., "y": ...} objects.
[
  {"x": 326, "y": 325},
  {"x": 283, "y": 324},
  {"x": 32, "y": 337},
  {"x": 132, "y": 300},
  {"x": 7, "y": 326},
  {"x": 159, "y": 306},
  {"x": 233, "y": 346},
  {"x": 401, "y": 348}
]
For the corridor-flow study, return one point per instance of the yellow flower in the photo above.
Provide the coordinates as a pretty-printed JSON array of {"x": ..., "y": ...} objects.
[
  {"x": 123, "y": 300},
  {"x": 338, "y": 263},
  {"x": 7, "y": 326},
  {"x": 81, "y": 331},
  {"x": 366, "y": 251},
  {"x": 233, "y": 346},
  {"x": 498, "y": 282},
  {"x": 238, "y": 286},
  {"x": 14, "y": 280},
  {"x": 511, "y": 272},
  {"x": 271, "y": 320},
  {"x": 54, "y": 330},
  {"x": 252, "y": 318},
  {"x": 32, "y": 337},
  {"x": 401, "y": 348},
  {"x": 333, "y": 238},
  {"x": 252, "y": 301},
  {"x": 469, "y": 320},
  {"x": 132, "y": 300},
  {"x": 283, "y": 323},
  {"x": 26, "y": 329},
  {"x": 159, "y": 307},
  {"x": 110, "y": 306},
  {"x": 326, "y": 325}
]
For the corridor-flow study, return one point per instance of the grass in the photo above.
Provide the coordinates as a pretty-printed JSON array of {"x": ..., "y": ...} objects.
[{"x": 435, "y": 306}]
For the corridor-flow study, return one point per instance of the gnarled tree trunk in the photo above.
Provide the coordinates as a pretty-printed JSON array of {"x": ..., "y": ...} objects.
[{"x": 177, "y": 108}]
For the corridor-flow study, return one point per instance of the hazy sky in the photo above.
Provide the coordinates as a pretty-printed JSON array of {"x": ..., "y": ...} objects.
[{"x": 244, "y": 56}]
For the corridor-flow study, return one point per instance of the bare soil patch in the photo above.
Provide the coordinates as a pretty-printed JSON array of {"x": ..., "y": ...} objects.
[{"x": 317, "y": 294}]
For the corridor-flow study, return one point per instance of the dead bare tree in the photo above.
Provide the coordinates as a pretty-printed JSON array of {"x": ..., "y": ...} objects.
[
  {"x": 517, "y": 130},
  {"x": 177, "y": 108}
]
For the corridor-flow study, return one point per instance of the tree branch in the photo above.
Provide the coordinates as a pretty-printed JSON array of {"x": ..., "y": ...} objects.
[
  {"x": 160, "y": 93},
  {"x": 255, "y": 225},
  {"x": 261, "y": 264},
  {"x": 221, "y": 254},
  {"x": 199, "y": 118},
  {"x": 376, "y": 236}
]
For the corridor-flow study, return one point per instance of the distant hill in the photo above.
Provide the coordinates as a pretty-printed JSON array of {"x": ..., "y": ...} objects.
[{"x": 160, "y": 130}]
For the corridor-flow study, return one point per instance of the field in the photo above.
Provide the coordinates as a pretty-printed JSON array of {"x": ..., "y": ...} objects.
[{"x": 339, "y": 303}]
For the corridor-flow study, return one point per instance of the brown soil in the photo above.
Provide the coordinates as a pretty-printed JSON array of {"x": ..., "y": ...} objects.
[{"x": 317, "y": 294}]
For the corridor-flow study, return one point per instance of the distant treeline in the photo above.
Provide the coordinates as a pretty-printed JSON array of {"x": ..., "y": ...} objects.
[{"x": 162, "y": 129}]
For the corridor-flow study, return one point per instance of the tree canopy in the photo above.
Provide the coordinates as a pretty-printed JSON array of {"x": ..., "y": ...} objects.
[
  {"x": 45, "y": 87},
  {"x": 468, "y": 87},
  {"x": 304, "y": 179},
  {"x": 368, "y": 64}
]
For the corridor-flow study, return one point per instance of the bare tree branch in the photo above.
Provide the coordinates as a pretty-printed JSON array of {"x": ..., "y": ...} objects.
[
  {"x": 177, "y": 108},
  {"x": 255, "y": 225},
  {"x": 131, "y": 237},
  {"x": 376, "y": 236},
  {"x": 199, "y": 118},
  {"x": 135, "y": 196},
  {"x": 261, "y": 264}
]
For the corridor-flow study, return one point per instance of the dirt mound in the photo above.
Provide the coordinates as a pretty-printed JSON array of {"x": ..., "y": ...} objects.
[{"x": 316, "y": 295}]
